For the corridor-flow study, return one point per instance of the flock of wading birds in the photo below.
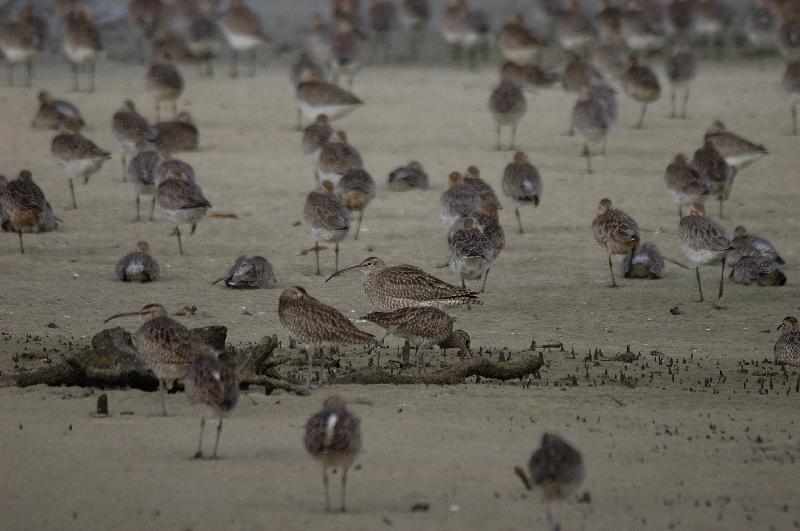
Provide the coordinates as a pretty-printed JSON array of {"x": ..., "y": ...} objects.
[{"x": 597, "y": 46}]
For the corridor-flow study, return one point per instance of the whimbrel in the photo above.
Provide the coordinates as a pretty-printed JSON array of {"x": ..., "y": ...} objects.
[
  {"x": 409, "y": 177},
  {"x": 356, "y": 189},
  {"x": 737, "y": 151},
  {"x": 250, "y": 272},
  {"x": 393, "y": 287},
  {"x": 337, "y": 157},
  {"x": 129, "y": 127},
  {"x": 522, "y": 183},
  {"x": 326, "y": 218},
  {"x": 138, "y": 266},
  {"x": 26, "y": 208},
  {"x": 178, "y": 135},
  {"x": 78, "y": 156},
  {"x": 163, "y": 344},
  {"x": 758, "y": 270},
  {"x": 519, "y": 44},
  {"x": 703, "y": 241},
  {"x": 685, "y": 183},
  {"x": 616, "y": 232},
  {"x": 54, "y": 114},
  {"x": 787, "y": 347},
  {"x": 316, "y": 325},
  {"x": 213, "y": 385},
  {"x": 333, "y": 437},
  {"x": 82, "y": 45},
  {"x": 681, "y": 70},
  {"x": 382, "y": 21},
  {"x": 745, "y": 245},
  {"x": 507, "y": 105},
  {"x": 244, "y": 32},
  {"x": 165, "y": 83},
  {"x": 169, "y": 168},
  {"x": 641, "y": 84},
  {"x": 182, "y": 201}
]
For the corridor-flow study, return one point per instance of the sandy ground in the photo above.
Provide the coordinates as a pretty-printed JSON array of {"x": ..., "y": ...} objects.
[{"x": 677, "y": 454}]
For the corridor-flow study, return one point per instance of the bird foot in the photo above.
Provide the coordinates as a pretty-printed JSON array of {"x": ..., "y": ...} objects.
[
  {"x": 198, "y": 455},
  {"x": 612, "y": 285}
]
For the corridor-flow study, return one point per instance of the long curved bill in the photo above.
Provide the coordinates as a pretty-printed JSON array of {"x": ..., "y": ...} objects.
[
  {"x": 780, "y": 327},
  {"x": 345, "y": 270},
  {"x": 126, "y": 314},
  {"x": 218, "y": 280}
]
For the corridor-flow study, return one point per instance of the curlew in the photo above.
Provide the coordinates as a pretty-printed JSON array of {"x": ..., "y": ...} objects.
[
  {"x": 250, "y": 272},
  {"x": 82, "y": 45},
  {"x": 182, "y": 200},
  {"x": 685, "y": 183},
  {"x": 138, "y": 266},
  {"x": 326, "y": 218},
  {"x": 507, "y": 105},
  {"x": 129, "y": 127},
  {"x": 244, "y": 32},
  {"x": 409, "y": 177},
  {"x": 393, "y": 287},
  {"x": 616, "y": 232},
  {"x": 333, "y": 437},
  {"x": 305, "y": 68},
  {"x": 78, "y": 156},
  {"x": 25, "y": 207},
  {"x": 522, "y": 183},
  {"x": 356, "y": 189},
  {"x": 54, "y": 114},
  {"x": 787, "y": 347},
  {"x": 529, "y": 77},
  {"x": 681, "y": 70},
  {"x": 703, "y": 241},
  {"x": 317, "y": 325},
  {"x": 212, "y": 384},
  {"x": 641, "y": 84}
]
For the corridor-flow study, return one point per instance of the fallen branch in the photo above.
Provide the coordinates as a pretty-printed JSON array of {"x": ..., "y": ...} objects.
[{"x": 270, "y": 384}]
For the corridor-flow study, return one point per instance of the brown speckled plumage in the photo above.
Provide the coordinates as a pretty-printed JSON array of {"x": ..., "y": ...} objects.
[
  {"x": 182, "y": 200},
  {"x": 138, "y": 266},
  {"x": 55, "y": 114},
  {"x": 165, "y": 82},
  {"x": 744, "y": 244},
  {"x": 471, "y": 252},
  {"x": 703, "y": 241},
  {"x": 507, "y": 105},
  {"x": 326, "y": 218},
  {"x": 317, "y": 324},
  {"x": 333, "y": 437},
  {"x": 24, "y": 205},
  {"x": 556, "y": 467},
  {"x": 178, "y": 135},
  {"x": 787, "y": 347},
  {"x": 142, "y": 173},
  {"x": 737, "y": 151},
  {"x": 522, "y": 183},
  {"x": 641, "y": 84},
  {"x": 337, "y": 157},
  {"x": 685, "y": 183},
  {"x": 459, "y": 201},
  {"x": 409, "y": 177},
  {"x": 758, "y": 270},
  {"x": 646, "y": 262},
  {"x": 82, "y": 44},
  {"x": 356, "y": 189},
  {"x": 615, "y": 231},
  {"x": 315, "y": 97},
  {"x": 712, "y": 167},
  {"x": 250, "y": 272},
  {"x": 315, "y": 136}
]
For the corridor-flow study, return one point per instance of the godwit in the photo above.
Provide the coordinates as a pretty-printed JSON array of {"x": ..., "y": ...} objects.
[
  {"x": 414, "y": 16},
  {"x": 317, "y": 325},
  {"x": 517, "y": 43},
  {"x": 715, "y": 171},
  {"x": 529, "y": 76},
  {"x": 476, "y": 35},
  {"x": 472, "y": 180},
  {"x": 164, "y": 346},
  {"x": 646, "y": 262},
  {"x": 738, "y": 152},
  {"x": 574, "y": 30},
  {"x": 393, "y": 287},
  {"x": 314, "y": 97},
  {"x": 26, "y": 208},
  {"x": 409, "y": 177},
  {"x": 508, "y": 105},
  {"x": 489, "y": 222},
  {"x": 453, "y": 27},
  {"x": 641, "y": 84},
  {"x": 52, "y": 114},
  {"x": 337, "y": 157},
  {"x": 616, "y": 232},
  {"x": 174, "y": 167},
  {"x": 145, "y": 16},
  {"x": 761, "y": 25},
  {"x": 522, "y": 183},
  {"x": 78, "y": 156},
  {"x": 421, "y": 327},
  {"x": 326, "y": 218},
  {"x": 165, "y": 83},
  {"x": 356, "y": 189},
  {"x": 681, "y": 71},
  {"x": 382, "y": 20},
  {"x": 333, "y": 437},
  {"x": 129, "y": 128},
  {"x": 579, "y": 74},
  {"x": 758, "y": 270},
  {"x": 458, "y": 201},
  {"x": 250, "y": 272},
  {"x": 685, "y": 183},
  {"x": 138, "y": 266},
  {"x": 345, "y": 52},
  {"x": 305, "y": 68},
  {"x": 711, "y": 18},
  {"x": 82, "y": 45},
  {"x": 244, "y": 32},
  {"x": 592, "y": 118},
  {"x": 750, "y": 245},
  {"x": 178, "y": 135},
  {"x": 318, "y": 39},
  {"x": 203, "y": 42},
  {"x": 791, "y": 86},
  {"x": 315, "y": 136},
  {"x": 642, "y": 28},
  {"x": 787, "y": 348},
  {"x": 471, "y": 252},
  {"x": 182, "y": 201},
  {"x": 213, "y": 385},
  {"x": 703, "y": 241},
  {"x": 19, "y": 45}
]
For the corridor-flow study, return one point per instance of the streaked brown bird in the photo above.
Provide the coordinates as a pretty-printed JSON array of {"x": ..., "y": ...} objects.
[
  {"x": 78, "y": 156},
  {"x": 54, "y": 114},
  {"x": 314, "y": 97},
  {"x": 142, "y": 173},
  {"x": 737, "y": 151},
  {"x": 138, "y": 266},
  {"x": 250, "y": 272},
  {"x": 183, "y": 202},
  {"x": 685, "y": 183},
  {"x": 681, "y": 70},
  {"x": 758, "y": 270},
  {"x": 787, "y": 347},
  {"x": 641, "y": 84},
  {"x": 82, "y": 45},
  {"x": 26, "y": 208},
  {"x": 165, "y": 82},
  {"x": 326, "y": 218},
  {"x": 178, "y": 135},
  {"x": 129, "y": 127},
  {"x": 522, "y": 183},
  {"x": 244, "y": 32},
  {"x": 616, "y": 232},
  {"x": 750, "y": 245},
  {"x": 356, "y": 189},
  {"x": 507, "y": 105},
  {"x": 703, "y": 241}
]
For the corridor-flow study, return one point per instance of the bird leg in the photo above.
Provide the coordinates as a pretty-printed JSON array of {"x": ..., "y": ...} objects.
[
  {"x": 672, "y": 113},
  {"x": 158, "y": 111},
  {"x": 722, "y": 277},
  {"x": 199, "y": 453},
  {"x": 29, "y": 72},
  {"x": 162, "y": 386},
  {"x": 358, "y": 227},
  {"x": 640, "y": 123},
  {"x": 152, "y": 207},
  {"x": 321, "y": 367},
  {"x": 419, "y": 360},
  {"x": 253, "y": 62},
  {"x": 21, "y": 247},
  {"x": 300, "y": 122},
  {"x": 513, "y": 137},
  {"x": 124, "y": 167},
  {"x": 178, "y": 234},
  {"x": 10, "y": 73},
  {"x": 327, "y": 493},
  {"x": 721, "y": 202},
  {"x": 588, "y": 154},
  {"x": 234, "y": 63},
  {"x": 519, "y": 220},
  {"x": 316, "y": 252},
  {"x": 685, "y": 103},
  {"x": 794, "y": 120},
  {"x": 72, "y": 193},
  {"x": 485, "y": 276},
  {"x": 611, "y": 269},
  {"x": 699, "y": 286},
  {"x": 216, "y": 443},
  {"x": 137, "y": 207},
  {"x": 194, "y": 228},
  {"x": 605, "y": 141},
  {"x": 497, "y": 142},
  {"x": 90, "y": 67},
  {"x": 344, "y": 490},
  {"x": 75, "y": 86},
  {"x": 336, "y": 252}
]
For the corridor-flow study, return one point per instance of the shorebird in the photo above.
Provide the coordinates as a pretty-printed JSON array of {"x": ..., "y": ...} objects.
[
  {"x": 476, "y": 36},
  {"x": 647, "y": 262},
  {"x": 170, "y": 45},
  {"x": 791, "y": 86},
  {"x": 459, "y": 201},
  {"x": 710, "y": 19},
  {"x": 53, "y": 114},
  {"x": 579, "y": 74},
  {"x": 555, "y": 467},
  {"x": 611, "y": 55},
  {"x": 680, "y": 16},
  {"x": 138, "y": 266},
  {"x": 414, "y": 16},
  {"x": 78, "y": 156},
  {"x": 508, "y": 105},
  {"x": 305, "y": 68},
  {"x": 681, "y": 71},
  {"x": 641, "y": 84},
  {"x": 146, "y": 16},
  {"x": 472, "y": 181},
  {"x": 213, "y": 385},
  {"x": 453, "y": 27},
  {"x": 333, "y": 437},
  {"x": 608, "y": 19},
  {"x": 522, "y": 183},
  {"x": 326, "y": 218},
  {"x": 315, "y": 136},
  {"x": 703, "y": 241},
  {"x": 738, "y": 152},
  {"x": 758, "y": 270},
  {"x": 356, "y": 189},
  {"x": 250, "y": 272},
  {"x": 318, "y": 39},
  {"x": 317, "y": 325},
  {"x": 172, "y": 168},
  {"x": 165, "y": 83},
  {"x": 787, "y": 347},
  {"x": 715, "y": 171},
  {"x": 35, "y": 23},
  {"x": 409, "y": 177},
  {"x": 82, "y": 45},
  {"x": 788, "y": 34},
  {"x": 337, "y": 158},
  {"x": 471, "y": 252},
  {"x": 489, "y": 222},
  {"x": 421, "y": 327},
  {"x": 574, "y": 30},
  {"x": 182, "y": 200},
  {"x": 26, "y": 208},
  {"x": 19, "y": 46},
  {"x": 749, "y": 245},
  {"x": 592, "y": 118},
  {"x": 382, "y": 20},
  {"x": 685, "y": 183},
  {"x": 129, "y": 128},
  {"x": 616, "y": 232},
  {"x": 529, "y": 76},
  {"x": 393, "y": 287},
  {"x": 203, "y": 42},
  {"x": 314, "y": 97},
  {"x": 345, "y": 51},
  {"x": 642, "y": 28},
  {"x": 244, "y": 32},
  {"x": 760, "y": 26},
  {"x": 517, "y": 43},
  {"x": 164, "y": 346},
  {"x": 178, "y": 135}
]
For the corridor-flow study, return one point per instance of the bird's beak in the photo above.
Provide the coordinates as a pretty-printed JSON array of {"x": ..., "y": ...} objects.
[
  {"x": 218, "y": 281},
  {"x": 780, "y": 326},
  {"x": 127, "y": 314},
  {"x": 345, "y": 270}
]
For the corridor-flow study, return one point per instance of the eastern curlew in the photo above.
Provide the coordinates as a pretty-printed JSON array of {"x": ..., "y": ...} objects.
[
  {"x": 737, "y": 151},
  {"x": 616, "y": 232},
  {"x": 138, "y": 266}
]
